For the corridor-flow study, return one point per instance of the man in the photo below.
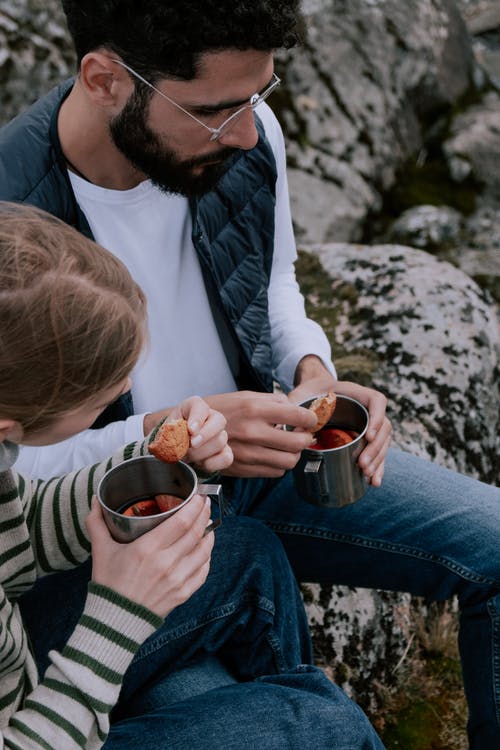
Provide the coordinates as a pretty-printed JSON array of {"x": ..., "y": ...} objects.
[{"x": 158, "y": 152}]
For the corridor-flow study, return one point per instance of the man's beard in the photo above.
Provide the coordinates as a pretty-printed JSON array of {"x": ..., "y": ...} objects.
[{"x": 143, "y": 148}]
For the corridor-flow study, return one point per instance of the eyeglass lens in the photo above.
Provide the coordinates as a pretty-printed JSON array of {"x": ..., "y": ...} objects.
[{"x": 254, "y": 102}]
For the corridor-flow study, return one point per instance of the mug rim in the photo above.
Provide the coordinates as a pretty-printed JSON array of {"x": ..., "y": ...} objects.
[
  {"x": 139, "y": 519},
  {"x": 315, "y": 451}
]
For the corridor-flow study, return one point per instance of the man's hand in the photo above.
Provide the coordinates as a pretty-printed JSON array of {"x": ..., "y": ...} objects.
[
  {"x": 254, "y": 425},
  {"x": 312, "y": 378},
  {"x": 254, "y": 421}
]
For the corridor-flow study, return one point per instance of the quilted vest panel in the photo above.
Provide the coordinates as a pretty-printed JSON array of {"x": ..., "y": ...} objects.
[{"x": 233, "y": 233}]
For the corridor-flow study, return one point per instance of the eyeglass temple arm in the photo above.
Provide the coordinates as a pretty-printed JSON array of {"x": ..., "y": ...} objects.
[{"x": 134, "y": 73}]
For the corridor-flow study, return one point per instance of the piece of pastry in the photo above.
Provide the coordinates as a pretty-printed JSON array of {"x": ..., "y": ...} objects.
[
  {"x": 142, "y": 508},
  {"x": 153, "y": 505},
  {"x": 332, "y": 437},
  {"x": 323, "y": 407},
  {"x": 171, "y": 442}
]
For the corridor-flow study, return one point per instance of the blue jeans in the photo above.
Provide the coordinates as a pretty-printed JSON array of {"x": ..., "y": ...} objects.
[
  {"x": 298, "y": 710},
  {"x": 239, "y": 648},
  {"x": 427, "y": 530}
]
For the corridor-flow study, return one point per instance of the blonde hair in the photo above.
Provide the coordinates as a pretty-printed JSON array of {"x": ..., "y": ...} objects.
[{"x": 72, "y": 320}]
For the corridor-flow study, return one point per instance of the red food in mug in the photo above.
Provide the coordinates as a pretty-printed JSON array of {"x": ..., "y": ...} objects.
[
  {"x": 332, "y": 437},
  {"x": 167, "y": 502},
  {"x": 142, "y": 508},
  {"x": 152, "y": 505}
]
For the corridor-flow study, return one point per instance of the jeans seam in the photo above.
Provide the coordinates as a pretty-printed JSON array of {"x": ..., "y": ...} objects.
[
  {"x": 495, "y": 636},
  {"x": 274, "y": 645},
  {"x": 282, "y": 528},
  {"x": 211, "y": 616}
]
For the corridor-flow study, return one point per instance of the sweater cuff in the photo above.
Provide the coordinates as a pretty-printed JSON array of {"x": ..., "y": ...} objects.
[{"x": 110, "y": 631}]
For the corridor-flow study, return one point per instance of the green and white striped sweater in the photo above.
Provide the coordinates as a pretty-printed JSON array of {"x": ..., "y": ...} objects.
[{"x": 42, "y": 529}]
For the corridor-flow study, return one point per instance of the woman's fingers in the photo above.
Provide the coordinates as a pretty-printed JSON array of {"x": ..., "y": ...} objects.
[{"x": 160, "y": 569}]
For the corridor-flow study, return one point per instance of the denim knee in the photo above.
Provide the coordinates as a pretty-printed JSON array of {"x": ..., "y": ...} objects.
[
  {"x": 251, "y": 540},
  {"x": 293, "y": 711}
]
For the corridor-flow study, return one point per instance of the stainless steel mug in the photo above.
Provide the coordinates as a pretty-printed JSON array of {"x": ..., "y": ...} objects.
[
  {"x": 331, "y": 477},
  {"x": 146, "y": 476}
]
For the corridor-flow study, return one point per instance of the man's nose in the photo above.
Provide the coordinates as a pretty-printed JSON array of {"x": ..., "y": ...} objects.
[{"x": 242, "y": 133}]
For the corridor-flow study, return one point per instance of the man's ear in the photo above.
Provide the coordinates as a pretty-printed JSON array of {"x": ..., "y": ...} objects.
[
  {"x": 10, "y": 430},
  {"x": 106, "y": 83}
]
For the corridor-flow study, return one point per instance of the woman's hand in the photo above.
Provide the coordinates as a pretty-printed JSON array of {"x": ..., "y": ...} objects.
[
  {"x": 208, "y": 437},
  {"x": 162, "y": 568}
]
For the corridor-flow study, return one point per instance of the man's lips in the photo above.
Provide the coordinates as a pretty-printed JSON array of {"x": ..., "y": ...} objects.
[{"x": 218, "y": 157}]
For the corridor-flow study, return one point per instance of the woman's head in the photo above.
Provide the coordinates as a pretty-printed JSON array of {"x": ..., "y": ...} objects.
[{"x": 72, "y": 321}]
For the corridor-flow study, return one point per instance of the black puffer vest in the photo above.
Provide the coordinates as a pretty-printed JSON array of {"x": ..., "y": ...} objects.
[
  {"x": 233, "y": 233},
  {"x": 233, "y": 229}
]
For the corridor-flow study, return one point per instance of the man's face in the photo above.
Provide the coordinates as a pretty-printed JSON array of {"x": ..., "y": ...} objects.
[
  {"x": 173, "y": 150},
  {"x": 151, "y": 154}
]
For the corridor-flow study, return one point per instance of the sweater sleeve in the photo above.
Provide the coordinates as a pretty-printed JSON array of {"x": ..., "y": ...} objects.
[
  {"x": 70, "y": 708},
  {"x": 56, "y": 509}
]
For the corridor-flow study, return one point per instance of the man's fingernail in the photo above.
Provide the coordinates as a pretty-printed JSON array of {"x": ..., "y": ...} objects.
[{"x": 196, "y": 440}]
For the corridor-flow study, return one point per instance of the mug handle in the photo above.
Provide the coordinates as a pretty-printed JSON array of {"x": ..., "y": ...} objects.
[
  {"x": 215, "y": 491},
  {"x": 315, "y": 467}
]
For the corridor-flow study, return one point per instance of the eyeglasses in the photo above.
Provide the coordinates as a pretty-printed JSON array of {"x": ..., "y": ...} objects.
[{"x": 216, "y": 133}]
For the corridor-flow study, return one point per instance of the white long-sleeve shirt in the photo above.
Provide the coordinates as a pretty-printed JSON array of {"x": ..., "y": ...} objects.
[{"x": 150, "y": 231}]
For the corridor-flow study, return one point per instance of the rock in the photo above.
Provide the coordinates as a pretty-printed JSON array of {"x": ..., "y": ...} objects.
[
  {"x": 481, "y": 260},
  {"x": 35, "y": 52},
  {"x": 489, "y": 59},
  {"x": 436, "y": 336},
  {"x": 327, "y": 209},
  {"x": 484, "y": 228},
  {"x": 473, "y": 148},
  {"x": 427, "y": 227},
  {"x": 473, "y": 151},
  {"x": 358, "y": 94},
  {"x": 360, "y": 637},
  {"x": 480, "y": 15}
]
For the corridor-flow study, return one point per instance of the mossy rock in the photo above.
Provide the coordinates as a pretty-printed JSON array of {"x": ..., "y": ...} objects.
[{"x": 326, "y": 301}]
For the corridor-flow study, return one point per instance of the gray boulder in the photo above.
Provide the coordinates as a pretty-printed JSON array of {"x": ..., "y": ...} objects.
[
  {"x": 35, "y": 52},
  {"x": 359, "y": 95},
  {"x": 473, "y": 146},
  {"x": 435, "y": 336},
  {"x": 427, "y": 227},
  {"x": 480, "y": 15}
]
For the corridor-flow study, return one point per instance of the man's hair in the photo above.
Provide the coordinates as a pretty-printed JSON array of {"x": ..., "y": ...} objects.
[
  {"x": 72, "y": 320},
  {"x": 162, "y": 38}
]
